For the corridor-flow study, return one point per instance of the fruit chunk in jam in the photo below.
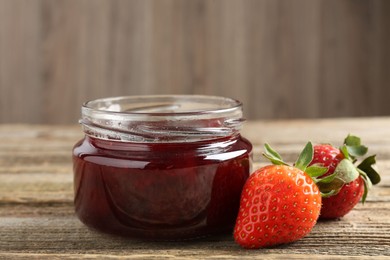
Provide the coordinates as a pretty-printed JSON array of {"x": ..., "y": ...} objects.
[{"x": 160, "y": 190}]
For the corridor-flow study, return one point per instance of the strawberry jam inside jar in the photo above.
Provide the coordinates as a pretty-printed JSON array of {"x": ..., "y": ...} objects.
[{"x": 161, "y": 167}]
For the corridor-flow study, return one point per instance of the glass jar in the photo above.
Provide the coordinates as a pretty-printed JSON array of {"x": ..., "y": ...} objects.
[{"x": 161, "y": 167}]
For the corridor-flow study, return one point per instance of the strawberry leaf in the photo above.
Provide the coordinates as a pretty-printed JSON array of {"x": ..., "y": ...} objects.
[
  {"x": 316, "y": 171},
  {"x": 366, "y": 166},
  {"x": 305, "y": 157},
  {"x": 364, "y": 197},
  {"x": 328, "y": 178},
  {"x": 344, "y": 151},
  {"x": 273, "y": 160},
  {"x": 327, "y": 187},
  {"x": 354, "y": 146},
  {"x": 357, "y": 151},
  {"x": 367, "y": 185},
  {"x": 346, "y": 171},
  {"x": 328, "y": 194},
  {"x": 271, "y": 152},
  {"x": 352, "y": 140},
  {"x": 273, "y": 156}
]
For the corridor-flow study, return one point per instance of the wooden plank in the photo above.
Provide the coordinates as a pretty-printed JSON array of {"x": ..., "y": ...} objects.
[
  {"x": 352, "y": 236},
  {"x": 75, "y": 41},
  {"x": 154, "y": 256},
  {"x": 287, "y": 63},
  {"x": 36, "y": 200},
  {"x": 21, "y": 92},
  {"x": 379, "y": 59},
  {"x": 51, "y": 187},
  {"x": 373, "y": 131},
  {"x": 304, "y": 59},
  {"x": 226, "y": 49},
  {"x": 348, "y": 73}
]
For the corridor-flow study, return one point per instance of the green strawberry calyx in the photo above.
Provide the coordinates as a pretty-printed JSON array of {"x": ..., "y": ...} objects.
[
  {"x": 302, "y": 163},
  {"x": 352, "y": 149},
  {"x": 345, "y": 171}
]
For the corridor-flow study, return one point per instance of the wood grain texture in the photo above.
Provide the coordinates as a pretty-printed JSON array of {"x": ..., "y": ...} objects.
[
  {"x": 283, "y": 59},
  {"x": 21, "y": 82},
  {"x": 37, "y": 220}
]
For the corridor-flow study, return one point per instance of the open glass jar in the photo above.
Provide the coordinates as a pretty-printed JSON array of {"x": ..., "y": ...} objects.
[{"x": 161, "y": 167}]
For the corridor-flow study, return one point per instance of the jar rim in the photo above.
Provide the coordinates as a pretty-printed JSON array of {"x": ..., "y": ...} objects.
[
  {"x": 219, "y": 105},
  {"x": 162, "y": 118}
]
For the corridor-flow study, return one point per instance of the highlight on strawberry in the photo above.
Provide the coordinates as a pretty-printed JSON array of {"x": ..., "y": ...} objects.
[
  {"x": 348, "y": 178},
  {"x": 279, "y": 203}
]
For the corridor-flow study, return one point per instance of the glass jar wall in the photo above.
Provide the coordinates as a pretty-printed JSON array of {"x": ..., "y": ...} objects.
[{"x": 161, "y": 167}]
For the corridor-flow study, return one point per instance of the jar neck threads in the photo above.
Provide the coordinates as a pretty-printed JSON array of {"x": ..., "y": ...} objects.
[{"x": 173, "y": 118}]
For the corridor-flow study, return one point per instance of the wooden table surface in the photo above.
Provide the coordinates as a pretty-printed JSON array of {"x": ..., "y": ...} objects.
[{"x": 36, "y": 199}]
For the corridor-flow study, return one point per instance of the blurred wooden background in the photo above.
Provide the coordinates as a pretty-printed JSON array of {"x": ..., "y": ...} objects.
[{"x": 282, "y": 58}]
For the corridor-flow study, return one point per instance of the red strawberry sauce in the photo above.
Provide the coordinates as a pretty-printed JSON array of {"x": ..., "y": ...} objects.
[{"x": 168, "y": 191}]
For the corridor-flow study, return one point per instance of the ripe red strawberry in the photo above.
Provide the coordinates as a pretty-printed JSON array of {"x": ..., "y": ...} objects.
[
  {"x": 344, "y": 201},
  {"x": 347, "y": 184},
  {"x": 279, "y": 203},
  {"x": 327, "y": 156}
]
